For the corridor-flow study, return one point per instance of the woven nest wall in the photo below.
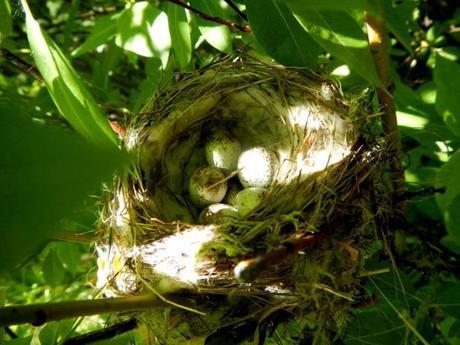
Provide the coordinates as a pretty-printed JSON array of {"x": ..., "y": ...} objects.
[{"x": 293, "y": 261}]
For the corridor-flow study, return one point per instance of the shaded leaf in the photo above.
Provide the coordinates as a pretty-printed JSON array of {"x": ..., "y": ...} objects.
[
  {"x": 143, "y": 29},
  {"x": 69, "y": 255},
  {"x": 362, "y": 5},
  {"x": 5, "y": 22},
  {"x": 447, "y": 78},
  {"x": 397, "y": 22},
  {"x": 447, "y": 299},
  {"x": 180, "y": 34},
  {"x": 339, "y": 34},
  {"x": 217, "y": 35},
  {"x": 53, "y": 271},
  {"x": 104, "y": 29},
  {"x": 69, "y": 94},
  {"x": 280, "y": 35},
  {"x": 45, "y": 173}
]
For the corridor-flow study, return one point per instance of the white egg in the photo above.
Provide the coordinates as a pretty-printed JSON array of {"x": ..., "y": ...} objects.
[
  {"x": 249, "y": 199},
  {"x": 207, "y": 186},
  {"x": 222, "y": 150},
  {"x": 257, "y": 167},
  {"x": 218, "y": 213}
]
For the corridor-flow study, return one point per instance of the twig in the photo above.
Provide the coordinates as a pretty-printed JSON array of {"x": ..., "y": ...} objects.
[
  {"x": 38, "y": 314},
  {"x": 20, "y": 64},
  {"x": 429, "y": 191},
  {"x": 102, "y": 334},
  {"x": 248, "y": 270},
  {"x": 218, "y": 20},
  {"x": 10, "y": 332},
  {"x": 378, "y": 42},
  {"x": 236, "y": 9},
  {"x": 67, "y": 236}
]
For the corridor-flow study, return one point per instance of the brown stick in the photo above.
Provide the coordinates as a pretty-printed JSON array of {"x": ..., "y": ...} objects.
[
  {"x": 378, "y": 43},
  {"x": 38, "y": 314},
  {"x": 20, "y": 64},
  {"x": 218, "y": 20},
  {"x": 236, "y": 9},
  {"x": 248, "y": 270}
]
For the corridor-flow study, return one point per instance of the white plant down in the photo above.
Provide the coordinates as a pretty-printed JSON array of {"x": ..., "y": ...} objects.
[
  {"x": 207, "y": 186},
  {"x": 257, "y": 167},
  {"x": 222, "y": 150}
]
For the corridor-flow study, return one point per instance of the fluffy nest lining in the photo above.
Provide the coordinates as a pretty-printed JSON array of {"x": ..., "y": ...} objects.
[{"x": 297, "y": 258}]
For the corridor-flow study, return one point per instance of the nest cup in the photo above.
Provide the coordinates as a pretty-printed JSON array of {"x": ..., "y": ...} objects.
[{"x": 308, "y": 231}]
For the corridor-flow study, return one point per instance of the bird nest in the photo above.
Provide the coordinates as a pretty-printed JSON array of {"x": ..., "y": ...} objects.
[{"x": 289, "y": 266}]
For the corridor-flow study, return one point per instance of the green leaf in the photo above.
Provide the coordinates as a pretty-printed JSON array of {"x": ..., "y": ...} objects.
[
  {"x": 69, "y": 255},
  {"x": 5, "y": 22},
  {"x": 449, "y": 202},
  {"x": 143, "y": 29},
  {"x": 362, "y": 5},
  {"x": 45, "y": 174},
  {"x": 447, "y": 299},
  {"x": 20, "y": 341},
  {"x": 280, "y": 35},
  {"x": 104, "y": 29},
  {"x": 69, "y": 94},
  {"x": 447, "y": 78},
  {"x": 180, "y": 34},
  {"x": 217, "y": 35},
  {"x": 339, "y": 34},
  {"x": 397, "y": 21},
  {"x": 53, "y": 271}
]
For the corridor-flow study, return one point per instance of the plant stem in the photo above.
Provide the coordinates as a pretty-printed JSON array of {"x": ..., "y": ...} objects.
[
  {"x": 38, "y": 314},
  {"x": 378, "y": 42},
  {"x": 236, "y": 9},
  {"x": 205, "y": 16}
]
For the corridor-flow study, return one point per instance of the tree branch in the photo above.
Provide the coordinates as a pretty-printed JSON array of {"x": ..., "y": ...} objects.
[
  {"x": 378, "y": 42},
  {"x": 20, "y": 64},
  {"x": 236, "y": 9},
  {"x": 38, "y": 314},
  {"x": 218, "y": 20},
  {"x": 102, "y": 334}
]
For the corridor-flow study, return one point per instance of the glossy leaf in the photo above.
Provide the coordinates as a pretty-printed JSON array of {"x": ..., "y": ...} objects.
[
  {"x": 181, "y": 39},
  {"x": 447, "y": 78},
  {"x": 104, "y": 29},
  {"x": 45, "y": 174},
  {"x": 5, "y": 21},
  {"x": 217, "y": 35},
  {"x": 69, "y": 93},
  {"x": 339, "y": 34},
  {"x": 280, "y": 35},
  {"x": 143, "y": 29}
]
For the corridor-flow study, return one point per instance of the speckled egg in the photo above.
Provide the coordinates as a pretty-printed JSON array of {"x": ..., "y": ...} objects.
[
  {"x": 222, "y": 150},
  {"x": 257, "y": 167},
  {"x": 249, "y": 199},
  {"x": 218, "y": 213},
  {"x": 207, "y": 186}
]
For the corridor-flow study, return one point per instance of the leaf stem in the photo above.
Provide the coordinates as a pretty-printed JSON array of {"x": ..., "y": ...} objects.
[
  {"x": 378, "y": 43},
  {"x": 218, "y": 20}
]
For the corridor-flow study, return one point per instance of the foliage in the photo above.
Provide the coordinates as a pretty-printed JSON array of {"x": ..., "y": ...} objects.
[{"x": 98, "y": 59}]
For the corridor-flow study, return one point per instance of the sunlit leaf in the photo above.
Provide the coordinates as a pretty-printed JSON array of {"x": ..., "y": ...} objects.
[
  {"x": 281, "y": 36},
  {"x": 447, "y": 78},
  {"x": 45, "y": 174},
  {"x": 103, "y": 30},
  {"x": 339, "y": 34},
  {"x": 217, "y": 35},
  {"x": 180, "y": 34},
  {"x": 143, "y": 29},
  {"x": 69, "y": 94}
]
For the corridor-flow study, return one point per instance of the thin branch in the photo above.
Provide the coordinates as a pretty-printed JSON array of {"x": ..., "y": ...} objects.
[
  {"x": 236, "y": 9},
  {"x": 103, "y": 334},
  {"x": 378, "y": 42},
  {"x": 218, "y": 20},
  {"x": 38, "y": 314},
  {"x": 248, "y": 270},
  {"x": 20, "y": 64},
  {"x": 67, "y": 236}
]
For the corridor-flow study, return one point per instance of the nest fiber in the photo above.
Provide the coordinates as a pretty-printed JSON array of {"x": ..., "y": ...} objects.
[{"x": 289, "y": 265}]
